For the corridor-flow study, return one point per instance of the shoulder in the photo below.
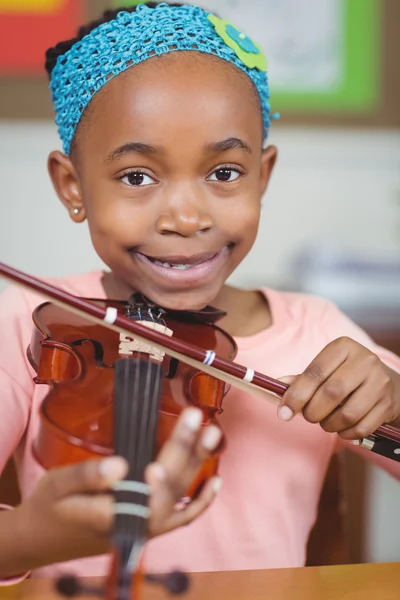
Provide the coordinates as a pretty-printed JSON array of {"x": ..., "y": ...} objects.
[
  {"x": 16, "y": 300},
  {"x": 318, "y": 320},
  {"x": 16, "y": 327},
  {"x": 18, "y": 304},
  {"x": 295, "y": 306},
  {"x": 317, "y": 317}
]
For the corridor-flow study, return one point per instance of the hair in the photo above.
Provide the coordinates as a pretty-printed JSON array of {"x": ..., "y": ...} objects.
[{"x": 61, "y": 48}]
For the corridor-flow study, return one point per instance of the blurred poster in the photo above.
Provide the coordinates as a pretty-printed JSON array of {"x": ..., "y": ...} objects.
[
  {"x": 29, "y": 27},
  {"x": 303, "y": 40},
  {"x": 323, "y": 55}
]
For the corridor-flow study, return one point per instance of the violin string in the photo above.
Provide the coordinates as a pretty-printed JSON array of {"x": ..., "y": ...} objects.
[
  {"x": 137, "y": 475},
  {"x": 122, "y": 435},
  {"x": 148, "y": 427},
  {"x": 126, "y": 407},
  {"x": 135, "y": 428},
  {"x": 146, "y": 437},
  {"x": 140, "y": 525},
  {"x": 136, "y": 401}
]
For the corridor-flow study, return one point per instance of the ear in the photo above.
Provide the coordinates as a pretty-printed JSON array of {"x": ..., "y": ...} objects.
[
  {"x": 268, "y": 160},
  {"x": 66, "y": 183}
]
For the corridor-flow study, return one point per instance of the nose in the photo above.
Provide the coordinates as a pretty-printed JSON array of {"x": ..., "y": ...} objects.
[{"x": 185, "y": 217}]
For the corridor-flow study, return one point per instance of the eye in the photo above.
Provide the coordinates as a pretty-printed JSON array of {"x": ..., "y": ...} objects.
[
  {"x": 137, "y": 179},
  {"x": 225, "y": 174}
]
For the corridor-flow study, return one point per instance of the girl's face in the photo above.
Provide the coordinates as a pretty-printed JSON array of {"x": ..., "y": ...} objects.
[{"x": 169, "y": 171}]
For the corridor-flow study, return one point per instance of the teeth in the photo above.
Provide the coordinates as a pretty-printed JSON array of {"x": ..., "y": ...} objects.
[{"x": 169, "y": 266}]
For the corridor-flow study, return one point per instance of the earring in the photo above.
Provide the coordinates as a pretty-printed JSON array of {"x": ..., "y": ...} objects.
[{"x": 76, "y": 211}]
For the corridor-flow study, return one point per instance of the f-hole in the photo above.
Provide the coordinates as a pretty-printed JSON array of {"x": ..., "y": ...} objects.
[
  {"x": 172, "y": 368},
  {"x": 98, "y": 351}
]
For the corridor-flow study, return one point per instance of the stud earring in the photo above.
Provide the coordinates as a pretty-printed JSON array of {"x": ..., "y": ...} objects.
[{"x": 76, "y": 211}]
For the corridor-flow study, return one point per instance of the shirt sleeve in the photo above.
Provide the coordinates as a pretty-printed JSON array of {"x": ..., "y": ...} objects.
[
  {"x": 336, "y": 325},
  {"x": 16, "y": 384}
]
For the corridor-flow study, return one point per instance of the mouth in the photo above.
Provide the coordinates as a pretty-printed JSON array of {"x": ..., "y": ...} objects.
[{"x": 184, "y": 269}]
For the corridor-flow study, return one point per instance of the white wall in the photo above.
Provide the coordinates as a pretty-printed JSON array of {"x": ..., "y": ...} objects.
[{"x": 333, "y": 186}]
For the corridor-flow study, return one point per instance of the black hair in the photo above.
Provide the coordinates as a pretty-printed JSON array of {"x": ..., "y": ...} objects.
[{"x": 61, "y": 48}]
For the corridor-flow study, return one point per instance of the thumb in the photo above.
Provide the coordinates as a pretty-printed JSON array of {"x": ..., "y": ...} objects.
[
  {"x": 284, "y": 412},
  {"x": 87, "y": 476}
]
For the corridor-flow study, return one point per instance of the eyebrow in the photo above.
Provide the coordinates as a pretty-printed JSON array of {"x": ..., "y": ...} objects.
[
  {"x": 229, "y": 144},
  {"x": 137, "y": 147},
  {"x": 146, "y": 149}
]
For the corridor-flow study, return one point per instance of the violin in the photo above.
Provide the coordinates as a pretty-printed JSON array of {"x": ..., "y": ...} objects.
[
  {"x": 84, "y": 362},
  {"x": 139, "y": 392}
]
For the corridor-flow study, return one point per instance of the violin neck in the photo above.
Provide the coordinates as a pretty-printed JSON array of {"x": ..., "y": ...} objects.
[{"x": 137, "y": 393}]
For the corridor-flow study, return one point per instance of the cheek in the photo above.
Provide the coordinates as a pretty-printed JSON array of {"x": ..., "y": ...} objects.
[
  {"x": 117, "y": 223},
  {"x": 240, "y": 217}
]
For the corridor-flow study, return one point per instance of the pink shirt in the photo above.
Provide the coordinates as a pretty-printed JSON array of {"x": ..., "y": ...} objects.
[{"x": 273, "y": 471}]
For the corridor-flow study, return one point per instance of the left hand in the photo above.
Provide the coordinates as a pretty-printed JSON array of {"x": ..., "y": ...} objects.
[{"x": 347, "y": 389}]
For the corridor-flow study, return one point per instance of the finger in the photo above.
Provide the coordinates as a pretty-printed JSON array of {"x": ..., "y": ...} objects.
[
  {"x": 369, "y": 423},
  {"x": 88, "y": 476},
  {"x": 175, "y": 469},
  {"x": 196, "y": 507},
  {"x": 305, "y": 385},
  {"x": 182, "y": 449},
  {"x": 340, "y": 388},
  {"x": 179, "y": 479},
  {"x": 85, "y": 511},
  {"x": 356, "y": 406}
]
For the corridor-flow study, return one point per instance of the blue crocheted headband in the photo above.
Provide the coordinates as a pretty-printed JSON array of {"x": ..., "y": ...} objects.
[{"x": 133, "y": 37}]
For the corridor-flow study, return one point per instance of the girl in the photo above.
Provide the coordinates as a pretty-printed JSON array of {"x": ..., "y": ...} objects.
[{"x": 163, "y": 113}]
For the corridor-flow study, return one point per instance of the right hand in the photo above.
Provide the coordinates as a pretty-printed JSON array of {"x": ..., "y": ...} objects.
[{"x": 70, "y": 514}]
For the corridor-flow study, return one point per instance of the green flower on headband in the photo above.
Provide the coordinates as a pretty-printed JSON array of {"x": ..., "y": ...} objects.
[{"x": 245, "y": 48}]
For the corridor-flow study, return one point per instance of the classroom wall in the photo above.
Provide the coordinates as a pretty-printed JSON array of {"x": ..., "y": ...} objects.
[{"x": 337, "y": 187}]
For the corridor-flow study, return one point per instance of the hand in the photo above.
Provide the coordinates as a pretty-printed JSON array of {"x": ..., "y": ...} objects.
[
  {"x": 176, "y": 468},
  {"x": 346, "y": 389},
  {"x": 70, "y": 514}
]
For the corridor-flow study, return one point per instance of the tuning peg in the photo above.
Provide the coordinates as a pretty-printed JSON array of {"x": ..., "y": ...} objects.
[{"x": 175, "y": 583}]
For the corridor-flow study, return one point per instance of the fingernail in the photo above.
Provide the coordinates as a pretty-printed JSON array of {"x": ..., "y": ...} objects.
[
  {"x": 216, "y": 484},
  {"x": 158, "y": 471},
  {"x": 356, "y": 442},
  {"x": 113, "y": 468},
  {"x": 211, "y": 437},
  {"x": 285, "y": 413},
  {"x": 193, "y": 418}
]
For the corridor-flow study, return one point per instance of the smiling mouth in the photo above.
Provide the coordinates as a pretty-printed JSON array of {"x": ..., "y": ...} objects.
[
  {"x": 186, "y": 270},
  {"x": 181, "y": 263}
]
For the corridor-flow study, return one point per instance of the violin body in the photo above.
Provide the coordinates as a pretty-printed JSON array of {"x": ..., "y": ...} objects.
[{"x": 76, "y": 359}]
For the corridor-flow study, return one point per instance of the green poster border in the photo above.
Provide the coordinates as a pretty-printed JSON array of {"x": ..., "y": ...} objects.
[
  {"x": 359, "y": 90},
  {"x": 127, "y": 3}
]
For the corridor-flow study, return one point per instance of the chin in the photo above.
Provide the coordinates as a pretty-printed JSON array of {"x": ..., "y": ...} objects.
[{"x": 190, "y": 299}]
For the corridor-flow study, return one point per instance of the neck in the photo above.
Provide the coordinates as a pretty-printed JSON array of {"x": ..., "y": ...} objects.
[{"x": 247, "y": 311}]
